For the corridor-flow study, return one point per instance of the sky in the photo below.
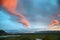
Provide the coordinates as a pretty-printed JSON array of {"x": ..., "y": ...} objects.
[{"x": 37, "y": 12}]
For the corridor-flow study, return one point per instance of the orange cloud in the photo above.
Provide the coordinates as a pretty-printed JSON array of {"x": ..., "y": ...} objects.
[{"x": 10, "y": 6}]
